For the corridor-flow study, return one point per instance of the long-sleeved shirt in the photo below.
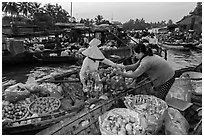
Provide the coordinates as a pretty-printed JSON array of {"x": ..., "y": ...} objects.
[
  {"x": 90, "y": 65},
  {"x": 157, "y": 68}
]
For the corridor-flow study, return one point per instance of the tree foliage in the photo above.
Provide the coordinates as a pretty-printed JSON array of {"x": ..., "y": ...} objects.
[
  {"x": 140, "y": 24},
  {"x": 197, "y": 10}
]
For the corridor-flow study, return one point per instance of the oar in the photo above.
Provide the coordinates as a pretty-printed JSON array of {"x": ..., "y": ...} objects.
[
  {"x": 118, "y": 38},
  {"x": 61, "y": 81},
  {"x": 132, "y": 39}
]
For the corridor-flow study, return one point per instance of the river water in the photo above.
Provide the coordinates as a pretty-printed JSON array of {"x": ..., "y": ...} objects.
[{"x": 178, "y": 59}]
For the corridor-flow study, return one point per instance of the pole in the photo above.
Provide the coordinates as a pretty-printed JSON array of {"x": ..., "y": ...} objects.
[{"x": 71, "y": 9}]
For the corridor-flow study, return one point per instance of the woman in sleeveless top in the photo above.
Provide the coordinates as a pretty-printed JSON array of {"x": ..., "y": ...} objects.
[{"x": 160, "y": 73}]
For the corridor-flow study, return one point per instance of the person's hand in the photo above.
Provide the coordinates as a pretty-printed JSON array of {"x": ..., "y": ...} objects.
[
  {"x": 120, "y": 66},
  {"x": 117, "y": 71},
  {"x": 84, "y": 87}
]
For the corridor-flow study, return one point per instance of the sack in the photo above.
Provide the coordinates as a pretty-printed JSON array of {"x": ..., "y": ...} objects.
[
  {"x": 16, "y": 92},
  {"x": 31, "y": 84},
  {"x": 175, "y": 123}
]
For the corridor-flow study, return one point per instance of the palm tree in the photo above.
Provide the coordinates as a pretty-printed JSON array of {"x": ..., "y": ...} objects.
[
  {"x": 25, "y": 8},
  {"x": 10, "y": 7},
  {"x": 98, "y": 19}
]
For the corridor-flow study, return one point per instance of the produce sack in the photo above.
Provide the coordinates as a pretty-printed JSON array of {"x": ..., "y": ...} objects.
[
  {"x": 122, "y": 121},
  {"x": 31, "y": 84},
  {"x": 16, "y": 92},
  {"x": 151, "y": 107},
  {"x": 175, "y": 123}
]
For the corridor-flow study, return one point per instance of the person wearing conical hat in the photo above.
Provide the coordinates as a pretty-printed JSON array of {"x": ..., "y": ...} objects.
[{"x": 91, "y": 62}]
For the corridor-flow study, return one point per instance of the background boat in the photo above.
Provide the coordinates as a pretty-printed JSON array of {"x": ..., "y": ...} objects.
[{"x": 178, "y": 46}]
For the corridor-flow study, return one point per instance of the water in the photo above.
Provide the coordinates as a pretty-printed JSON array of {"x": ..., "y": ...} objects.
[
  {"x": 181, "y": 59},
  {"x": 178, "y": 59}
]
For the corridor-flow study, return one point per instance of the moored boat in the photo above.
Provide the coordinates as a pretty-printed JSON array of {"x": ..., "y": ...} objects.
[
  {"x": 22, "y": 58},
  {"x": 177, "y": 46}
]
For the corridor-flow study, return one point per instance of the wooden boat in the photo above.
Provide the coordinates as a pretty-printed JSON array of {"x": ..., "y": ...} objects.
[
  {"x": 44, "y": 57},
  {"x": 177, "y": 46},
  {"x": 22, "y": 58},
  {"x": 57, "y": 59},
  {"x": 86, "y": 122},
  {"x": 122, "y": 52},
  {"x": 82, "y": 119},
  {"x": 46, "y": 120}
]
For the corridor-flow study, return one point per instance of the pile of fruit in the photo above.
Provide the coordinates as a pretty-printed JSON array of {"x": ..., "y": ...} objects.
[
  {"x": 44, "y": 105},
  {"x": 14, "y": 111},
  {"x": 122, "y": 121},
  {"x": 112, "y": 81}
]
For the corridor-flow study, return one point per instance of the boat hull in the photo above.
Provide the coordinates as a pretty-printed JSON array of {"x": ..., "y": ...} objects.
[{"x": 174, "y": 46}]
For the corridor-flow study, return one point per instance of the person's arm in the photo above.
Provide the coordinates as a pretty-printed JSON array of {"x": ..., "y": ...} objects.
[
  {"x": 133, "y": 66},
  {"x": 143, "y": 67},
  {"x": 112, "y": 64},
  {"x": 83, "y": 70},
  {"x": 109, "y": 62}
]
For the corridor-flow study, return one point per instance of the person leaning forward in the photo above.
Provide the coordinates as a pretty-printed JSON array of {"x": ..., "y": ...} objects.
[{"x": 160, "y": 73}]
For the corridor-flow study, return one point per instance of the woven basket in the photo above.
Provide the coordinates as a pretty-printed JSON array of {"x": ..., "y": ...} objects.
[
  {"x": 59, "y": 103},
  {"x": 117, "y": 111},
  {"x": 144, "y": 104}
]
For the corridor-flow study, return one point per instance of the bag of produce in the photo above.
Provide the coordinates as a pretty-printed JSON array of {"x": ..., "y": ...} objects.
[
  {"x": 151, "y": 107},
  {"x": 122, "y": 121},
  {"x": 175, "y": 123},
  {"x": 16, "y": 92},
  {"x": 31, "y": 84}
]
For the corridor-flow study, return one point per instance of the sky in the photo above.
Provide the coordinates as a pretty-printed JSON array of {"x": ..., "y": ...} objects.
[{"x": 124, "y": 11}]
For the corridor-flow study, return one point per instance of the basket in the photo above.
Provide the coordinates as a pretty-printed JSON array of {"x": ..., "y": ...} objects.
[
  {"x": 124, "y": 112},
  {"x": 152, "y": 107},
  {"x": 26, "y": 114},
  {"x": 44, "y": 111}
]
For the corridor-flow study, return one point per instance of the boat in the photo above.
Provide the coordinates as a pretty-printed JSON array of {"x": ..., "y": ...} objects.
[
  {"x": 54, "y": 56},
  {"x": 177, "y": 46},
  {"x": 32, "y": 124},
  {"x": 19, "y": 59},
  {"x": 57, "y": 59},
  {"x": 123, "y": 52},
  {"x": 86, "y": 122},
  {"x": 79, "y": 120}
]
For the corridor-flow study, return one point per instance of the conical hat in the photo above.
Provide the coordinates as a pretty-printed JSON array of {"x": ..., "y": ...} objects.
[{"x": 93, "y": 51}]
